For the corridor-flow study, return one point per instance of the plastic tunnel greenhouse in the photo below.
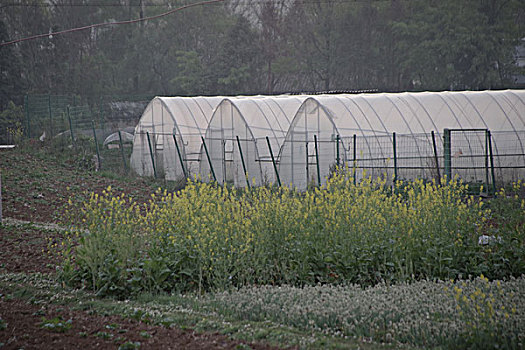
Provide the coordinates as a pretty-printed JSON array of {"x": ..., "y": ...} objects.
[
  {"x": 251, "y": 120},
  {"x": 154, "y": 149},
  {"x": 478, "y": 136},
  {"x": 360, "y": 128}
]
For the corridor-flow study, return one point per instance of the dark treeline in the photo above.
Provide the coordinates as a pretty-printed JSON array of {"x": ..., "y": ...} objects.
[{"x": 259, "y": 46}]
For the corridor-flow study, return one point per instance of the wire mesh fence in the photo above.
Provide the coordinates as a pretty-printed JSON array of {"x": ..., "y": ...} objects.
[
  {"x": 51, "y": 115},
  {"x": 476, "y": 156},
  {"x": 98, "y": 131},
  {"x": 101, "y": 129}
]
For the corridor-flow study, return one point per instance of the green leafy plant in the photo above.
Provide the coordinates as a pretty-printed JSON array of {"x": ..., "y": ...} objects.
[
  {"x": 145, "y": 334},
  {"x": 208, "y": 237},
  {"x": 56, "y": 324},
  {"x": 104, "y": 335},
  {"x": 129, "y": 345}
]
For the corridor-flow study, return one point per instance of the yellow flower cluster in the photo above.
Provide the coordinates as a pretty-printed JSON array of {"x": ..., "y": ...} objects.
[
  {"x": 480, "y": 304},
  {"x": 363, "y": 232}
]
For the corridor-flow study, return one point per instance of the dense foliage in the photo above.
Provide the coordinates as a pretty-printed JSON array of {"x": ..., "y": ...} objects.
[
  {"x": 207, "y": 237},
  {"x": 258, "y": 46}
]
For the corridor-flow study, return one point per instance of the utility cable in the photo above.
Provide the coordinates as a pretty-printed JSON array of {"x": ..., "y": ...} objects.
[{"x": 202, "y": 3}]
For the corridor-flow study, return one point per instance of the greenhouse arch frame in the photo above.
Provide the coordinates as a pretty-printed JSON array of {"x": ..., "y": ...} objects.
[{"x": 396, "y": 135}]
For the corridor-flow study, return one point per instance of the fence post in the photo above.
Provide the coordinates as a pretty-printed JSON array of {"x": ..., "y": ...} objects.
[
  {"x": 151, "y": 155},
  {"x": 122, "y": 151},
  {"x": 317, "y": 161},
  {"x": 273, "y": 161},
  {"x": 180, "y": 157},
  {"x": 243, "y": 164},
  {"x": 26, "y": 110},
  {"x": 447, "y": 150},
  {"x": 209, "y": 160},
  {"x": 487, "y": 160},
  {"x": 307, "y": 165},
  {"x": 96, "y": 145},
  {"x": 337, "y": 147},
  {"x": 491, "y": 163},
  {"x": 436, "y": 157},
  {"x": 70, "y": 127},
  {"x": 395, "y": 156},
  {"x": 354, "y": 141}
]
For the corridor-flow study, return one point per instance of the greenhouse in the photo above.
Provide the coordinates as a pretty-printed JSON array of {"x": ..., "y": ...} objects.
[
  {"x": 168, "y": 123},
  {"x": 359, "y": 129},
  {"x": 241, "y": 134},
  {"x": 478, "y": 136}
]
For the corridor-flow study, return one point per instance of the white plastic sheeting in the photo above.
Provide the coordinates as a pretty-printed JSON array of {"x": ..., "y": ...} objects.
[
  {"x": 374, "y": 117},
  {"x": 251, "y": 120},
  {"x": 126, "y": 138},
  {"x": 347, "y": 127},
  {"x": 185, "y": 117}
]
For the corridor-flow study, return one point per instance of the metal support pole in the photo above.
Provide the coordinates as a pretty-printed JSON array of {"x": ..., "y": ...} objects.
[
  {"x": 436, "y": 157},
  {"x": 317, "y": 161},
  {"x": 395, "y": 155},
  {"x": 492, "y": 163},
  {"x": 96, "y": 145},
  {"x": 354, "y": 141},
  {"x": 180, "y": 156},
  {"x": 151, "y": 155},
  {"x": 121, "y": 144},
  {"x": 273, "y": 161},
  {"x": 209, "y": 159},
  {"x": 307, "y": 165},
  {"x": 337, "y": 159},
  {"x": 243, "y": 164},
  {"x": 70, "y": 127},
  {"x": 487, "y": 160},
  {"x": 447, "y": 150}
]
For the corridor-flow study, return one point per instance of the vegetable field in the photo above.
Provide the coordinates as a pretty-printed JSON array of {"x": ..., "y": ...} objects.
[{"x": 345, "y": 265}]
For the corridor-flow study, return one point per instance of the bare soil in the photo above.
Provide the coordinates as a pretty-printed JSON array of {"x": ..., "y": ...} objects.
[
  {"x": 25, "y": 249},
  {"x": 37, "y": 190},
  {"x": 89, "y": 331}
]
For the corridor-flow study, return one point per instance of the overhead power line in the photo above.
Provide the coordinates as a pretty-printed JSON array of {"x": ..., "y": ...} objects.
[
  {"x": 202, "y": 3},
  {"x": 235, "y": 3}
]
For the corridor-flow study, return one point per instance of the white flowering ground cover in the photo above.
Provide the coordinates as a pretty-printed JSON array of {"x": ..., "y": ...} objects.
[{"x": 472, "y": 313}]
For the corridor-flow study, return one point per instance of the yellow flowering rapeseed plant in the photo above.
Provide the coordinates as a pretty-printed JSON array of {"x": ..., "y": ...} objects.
[
  {"x": 484, "y": 310},
  {"x": 212, "y": 237}
]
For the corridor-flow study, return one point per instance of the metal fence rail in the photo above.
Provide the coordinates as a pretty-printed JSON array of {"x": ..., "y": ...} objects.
[{"x": 476, "y": 156}]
